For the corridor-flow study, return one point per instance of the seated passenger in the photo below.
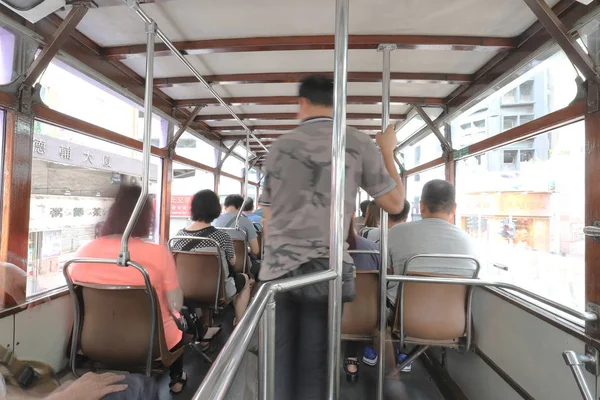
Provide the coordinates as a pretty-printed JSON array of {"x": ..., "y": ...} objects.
[
  {"x": 156, "y": 260},
  {"x": 364, "y": 262},
  {"x": 233, "y": 203},
  {"x": 393, "y": 220},
  {"x": 434, "y": 234},
  {"x": 249, "y": 211},
  {"x": 359, "y": 222},
  {"x": 205, "y": 209},
  {"x": 372, "y": 218}
]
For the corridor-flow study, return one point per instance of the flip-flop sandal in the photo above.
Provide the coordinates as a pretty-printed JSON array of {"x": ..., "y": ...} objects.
[{"x": 182, "y": 380}]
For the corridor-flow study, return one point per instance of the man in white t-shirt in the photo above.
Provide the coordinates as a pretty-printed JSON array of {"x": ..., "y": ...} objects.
[{"x": 434, "y": 234}]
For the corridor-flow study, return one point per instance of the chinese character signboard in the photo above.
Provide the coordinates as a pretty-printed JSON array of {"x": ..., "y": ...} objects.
[{"x": 181, "y": 206}]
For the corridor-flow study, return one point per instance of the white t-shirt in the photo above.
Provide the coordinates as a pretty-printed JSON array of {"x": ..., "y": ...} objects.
[{"x": 429, "y": 236}]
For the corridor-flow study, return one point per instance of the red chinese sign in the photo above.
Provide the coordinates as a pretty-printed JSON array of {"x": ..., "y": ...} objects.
[{"x": 181, "y": 206}]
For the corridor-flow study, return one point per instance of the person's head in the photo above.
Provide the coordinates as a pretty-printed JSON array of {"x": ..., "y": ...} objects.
[
  {"x": 363, "y": 207},
  {"x": 249, "y": 205},
  {"x": 394, "y": 219},
  {"x": 121, "y": 210},
  {"x": 233, "y": 202},
  {"x": 205, "y": 206},
  {"x": 315, "y": 97},
  {"x": 438, "y": 200},
  {"x": 373, "y": 215}
]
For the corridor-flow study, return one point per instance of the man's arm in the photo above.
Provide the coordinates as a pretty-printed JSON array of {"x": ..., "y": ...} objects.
[{"x": 392, "y": 201}]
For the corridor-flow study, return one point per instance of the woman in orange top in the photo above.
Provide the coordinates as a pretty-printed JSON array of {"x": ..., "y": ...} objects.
[{"x": 156, "y": 259}]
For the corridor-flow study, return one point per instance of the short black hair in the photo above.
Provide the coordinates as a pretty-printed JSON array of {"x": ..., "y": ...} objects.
[
  {"x": 206, "y": 206},
  {"x": 317, "y": 89},
  {"x": 234, "y": 200},
  {"x": 403, "y": 214},
  {"x": 363, "y": 207},
  {"x": 439, "y": 195},
  {"x": 249, "y": 204}
]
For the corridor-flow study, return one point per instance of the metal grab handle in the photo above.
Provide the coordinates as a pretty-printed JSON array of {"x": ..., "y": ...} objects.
[{"x": 576, "y": 362}]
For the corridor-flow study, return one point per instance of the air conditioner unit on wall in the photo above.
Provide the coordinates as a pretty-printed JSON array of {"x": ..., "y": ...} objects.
[{"x": 33, "y": 10}]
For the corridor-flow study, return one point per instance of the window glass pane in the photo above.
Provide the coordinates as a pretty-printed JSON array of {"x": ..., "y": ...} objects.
[
  {"x": 414, "y": 186},
  {"x": 186, "y": 182},
  {"x": 66, "y": 90},
  {"x": 189, "y": 146},
  {"x": 529, "y": 218},
  {"x": 73, "y": 187},
  {"x": 7, "y": 53},
  {"x": 421, "y": 152},
  {"x": 228, "y": 186},
  {"x": 544, "y": 85},
  {"x": 234, "y": 166},
  {"x": 2, "y": 129}
]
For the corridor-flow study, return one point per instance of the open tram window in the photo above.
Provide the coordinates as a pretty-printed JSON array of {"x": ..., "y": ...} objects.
[
  {"x": 544, "y": 85},
  {"x": 74, "y": 183},
  {"x": 228, "y": 186},
  {"x": 529, "y": 219},
  {"x": 196, "y": 149}
]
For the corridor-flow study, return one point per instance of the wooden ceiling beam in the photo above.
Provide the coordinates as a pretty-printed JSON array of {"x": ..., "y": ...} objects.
[
  {"x": 320, "y": 42},
  {"x": 288, "y": 116},
  {"x": 283, "y": 100},
  {"x": 289, "y": 127},
  {"x": 295, "y": 77}
]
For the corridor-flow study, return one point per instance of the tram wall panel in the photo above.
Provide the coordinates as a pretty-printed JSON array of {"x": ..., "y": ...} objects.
[
  {"x": 42, "y": 333},
  {"x": 7, "y": 325},
  {"x": 525, "y": 347}
]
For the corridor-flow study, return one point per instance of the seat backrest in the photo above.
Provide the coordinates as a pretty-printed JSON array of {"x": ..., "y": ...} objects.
[
  {"x": 240, "y": 247},
  {"x": 432, "y": 311},
  {"x": 361, "y": 315},
  {"x": 201, "y": 276},
  {"x": 259, "y": 237},
  {"x": 116, "y": 324}
]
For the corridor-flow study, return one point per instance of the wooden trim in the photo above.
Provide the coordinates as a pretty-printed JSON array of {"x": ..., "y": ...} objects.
[
  {"x": 7, "y": 100},
  {"x": 592, "y": 205},
  {"x": 34, "y": 301},
  {"x": 557, "y": 119},
  {"x": 442, "y": 379},
  {"x": 424, "y": 167},
  {"x": 502, "y": 374},
  {"x": 165, "y": 204},
  {"x": 53, "y": 117},
  {"x": 321, "y": 42},
  {"x": 295, "y": 77},
  {"x": 18, "y": 161},
  {"x": 290, "y": 116},
  {"x": 277, "y": 100}
]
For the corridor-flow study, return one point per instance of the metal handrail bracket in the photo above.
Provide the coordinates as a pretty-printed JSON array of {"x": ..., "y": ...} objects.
[{"x": 576, "y": 363}]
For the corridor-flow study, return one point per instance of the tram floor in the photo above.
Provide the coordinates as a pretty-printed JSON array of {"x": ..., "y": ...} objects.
[{"x": 416, "y": 385}]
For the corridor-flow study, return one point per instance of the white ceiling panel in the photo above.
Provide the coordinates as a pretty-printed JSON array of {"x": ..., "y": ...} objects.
[
  {"x": 257, "y": 109},
  {"x": 194, "y": 20}
]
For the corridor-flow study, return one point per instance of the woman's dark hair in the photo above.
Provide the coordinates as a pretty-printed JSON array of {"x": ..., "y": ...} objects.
[
  {"x": 351, "y": 236},
  {"x": 372, "y": 216},
  {"x": 121, "y": 210},
  {"x": 206, "y": 206},
  {"x": 363, "y": 207}
]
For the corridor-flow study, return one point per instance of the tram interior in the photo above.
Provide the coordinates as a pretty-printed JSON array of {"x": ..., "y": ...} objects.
[{"x": 489, "y": 95}]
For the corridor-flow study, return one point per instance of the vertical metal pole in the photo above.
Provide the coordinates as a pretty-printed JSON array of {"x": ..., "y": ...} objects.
[
  {"x": 148, "y": 91},
  {"x": 247, "y": 164},
  {"x": 338, "y": 163},
  {"x": 383, "y": 242},
  {"x": 266, "y": 359}
]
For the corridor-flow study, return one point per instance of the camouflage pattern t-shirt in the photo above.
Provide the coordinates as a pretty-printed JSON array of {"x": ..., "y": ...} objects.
[{"x": 297, "y": 189}]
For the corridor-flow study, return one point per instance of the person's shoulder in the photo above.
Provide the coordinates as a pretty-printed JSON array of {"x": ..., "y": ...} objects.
[{"x": 358, "y": 138}]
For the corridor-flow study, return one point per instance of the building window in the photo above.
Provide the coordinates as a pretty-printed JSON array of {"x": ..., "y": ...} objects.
[
  {"x": 530, "y": 221},
  {"x": 519, "y": 95},
  {"x": 512, "y": 121}
]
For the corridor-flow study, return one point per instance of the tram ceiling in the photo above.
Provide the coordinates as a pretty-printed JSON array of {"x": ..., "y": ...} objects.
[
  {"x": 276, "y": 100},
  {"x": 290, "y": 116},
  {"x": 295, "y": 77},
  {"x": 320, "y": 42}
]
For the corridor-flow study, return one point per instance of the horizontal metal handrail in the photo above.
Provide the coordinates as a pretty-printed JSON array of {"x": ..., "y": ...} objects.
[
  {"x": 585, "y": 315},
  {"x": 223, "y": 371},
  {"x": 363, "y": 251}
]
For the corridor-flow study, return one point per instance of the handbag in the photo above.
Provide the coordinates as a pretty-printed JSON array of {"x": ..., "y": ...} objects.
[
  {"x": 26, "y": 379},
  {"x": 319, "y": 292}
]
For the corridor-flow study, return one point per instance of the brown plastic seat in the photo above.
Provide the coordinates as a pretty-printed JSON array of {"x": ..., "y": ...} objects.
[
  {"x": 432, "y": 314},
  {"x": 241, "y": 255},
  {"x": 360, "y": 317},
  {"x": 115, "y": 327},
  {"x": 201, "y": 276},
  {"x": 259, "y": 237}
]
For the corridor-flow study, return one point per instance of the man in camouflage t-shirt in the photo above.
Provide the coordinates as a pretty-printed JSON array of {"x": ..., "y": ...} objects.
[{"x": 297, "y": 200}]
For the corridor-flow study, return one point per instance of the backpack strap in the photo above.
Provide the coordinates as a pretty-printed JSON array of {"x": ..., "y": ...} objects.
[
  {"x": 24, "y": 373},
  {"x": 231, "y": 223}
]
